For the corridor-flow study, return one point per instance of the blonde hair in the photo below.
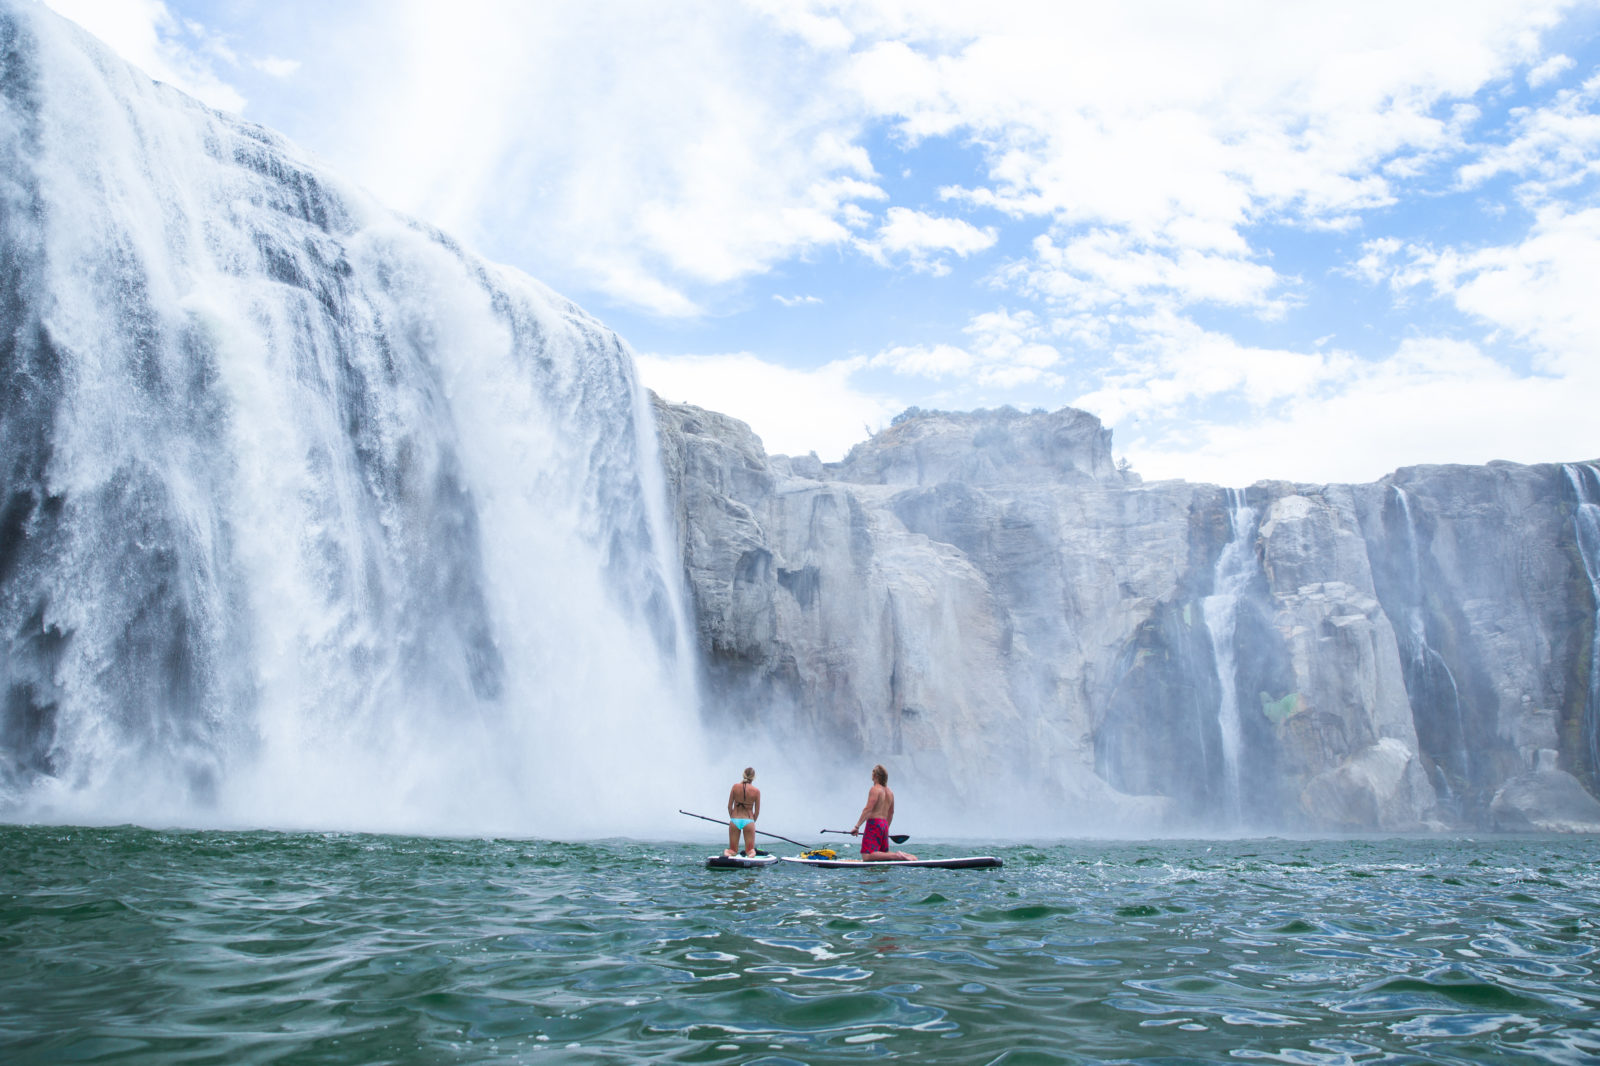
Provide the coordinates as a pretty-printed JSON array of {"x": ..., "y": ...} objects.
[
  {"x": 880, "y": 775},
  {"x": 749, "y": 774}
]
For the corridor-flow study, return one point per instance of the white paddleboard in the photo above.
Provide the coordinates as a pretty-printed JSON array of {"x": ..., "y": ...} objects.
[
  {"x": 739, "y": 862},
  {"x": 964, "y": 862}
]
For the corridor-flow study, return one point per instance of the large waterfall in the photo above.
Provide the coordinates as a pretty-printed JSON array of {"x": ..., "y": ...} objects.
[{"x": 307, "y": 516}]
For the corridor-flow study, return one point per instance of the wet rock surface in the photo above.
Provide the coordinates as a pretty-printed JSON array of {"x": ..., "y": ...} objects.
[{"x": 987, "y": 598}]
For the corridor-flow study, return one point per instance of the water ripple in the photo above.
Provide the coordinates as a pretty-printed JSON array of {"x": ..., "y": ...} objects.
[{"x": 126, "y": 945}]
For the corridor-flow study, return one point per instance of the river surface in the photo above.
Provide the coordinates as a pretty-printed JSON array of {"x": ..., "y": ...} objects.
[{"x": 133, "y": 945}]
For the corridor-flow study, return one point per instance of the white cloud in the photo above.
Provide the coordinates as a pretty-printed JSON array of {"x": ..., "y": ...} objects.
[
  {"x": 824, "y": 32},
  {"x": 919, "y": 237},
  {"x": 276, "y": 67},
  {"x": 1174, "y": 365},
  {"x": 652, "y": 153},
  {"x": 1550, "y": 70},
  {"x": 1154, "y": 152},
  {"x": 1107, "y": 268},
  {"x": 1555, "y": 146},
  {"x": 793, "y": 411},
  {"x": 145, "y": 33},
  {"x": 658, "y": 155},
  {"x": 1539, "y": 290},
  {"x": 1155, "y": 137},
  {"x": 1140, "y": 117},
  {"x": 1005, "y": 350},
  {"x": 926, "y": 360},
  {"x": 1434, "y": 401}
]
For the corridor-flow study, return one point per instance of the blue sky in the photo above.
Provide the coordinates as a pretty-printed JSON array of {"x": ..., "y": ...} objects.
[{"x": 1257, "y": 239}]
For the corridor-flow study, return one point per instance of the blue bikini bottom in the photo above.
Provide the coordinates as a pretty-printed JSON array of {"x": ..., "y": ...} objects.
[{"x": 740, "y": 823}]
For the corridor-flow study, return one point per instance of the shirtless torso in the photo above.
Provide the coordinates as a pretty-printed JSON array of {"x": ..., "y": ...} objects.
[{"x": 880, "y": 803}]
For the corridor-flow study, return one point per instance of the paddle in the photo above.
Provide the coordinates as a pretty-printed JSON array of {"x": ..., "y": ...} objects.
[
  {"x": 724, "y": 822},
  {"x": 898, "y": 838}
]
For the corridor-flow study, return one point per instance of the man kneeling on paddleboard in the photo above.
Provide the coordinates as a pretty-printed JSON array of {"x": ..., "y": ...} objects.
[{"x": 877, "y": 815}]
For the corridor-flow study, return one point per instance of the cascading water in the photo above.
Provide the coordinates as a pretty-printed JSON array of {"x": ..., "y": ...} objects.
[
  {"x": 308, "y": 516},
  {"x": 1429, "y": 681},
  {"x": 1237, "y": 566},
  {"x": 1585, "y": 481}
]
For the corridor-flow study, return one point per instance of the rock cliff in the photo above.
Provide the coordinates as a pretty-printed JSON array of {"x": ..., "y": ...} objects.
[{"x": 990, "y": 604}]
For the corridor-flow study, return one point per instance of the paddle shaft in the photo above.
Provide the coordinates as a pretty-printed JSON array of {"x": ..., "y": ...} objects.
[
  {"x": 898, "y": 838},
  {"x": 763, "y": 832}
]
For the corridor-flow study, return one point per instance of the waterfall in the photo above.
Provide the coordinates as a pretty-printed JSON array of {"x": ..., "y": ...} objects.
[
  {"x": 1236, "y": 568},
  {"x": 308, "y": 516},
  {"x": 1424, "y": 666},
  {"x": 1585, "y": 481}
]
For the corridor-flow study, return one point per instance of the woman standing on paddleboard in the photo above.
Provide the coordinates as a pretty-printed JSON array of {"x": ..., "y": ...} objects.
[{"x": 744, "y": 807}]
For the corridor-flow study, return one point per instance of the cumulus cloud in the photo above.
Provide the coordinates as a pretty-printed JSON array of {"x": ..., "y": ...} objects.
[
  {"x": 1435, "y": 400},
  {"x": 1137, "y": 166},
  {"x": 794, "y": 412},
  {"x": 1550, "y": 70},
  {"x": 1145, "y": 118},
  {"x": 1538, "y": 290},
  {"x": 714, "y": 142},
  {"x": 1554, "y": 147},
  {"x": 926, "y": 360},
  {"x": 146, "y": 34},
  {"x": 649, "y": 153},
  {"x": 1334, "y": 417},
  {"x": 1173, "y": 364},
  {"x": 1103, "y": 268},
  {"x": 1154, "y": 141},
  {"x": 918, "y": 238},
  {"x": 276, "y": 67},
  {"x": 1005, "y": 350}
]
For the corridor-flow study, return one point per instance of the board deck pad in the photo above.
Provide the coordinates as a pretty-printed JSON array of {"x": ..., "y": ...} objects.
[
  {"x": 964, "y": 862},
  {"x": 739, "y": 862}
]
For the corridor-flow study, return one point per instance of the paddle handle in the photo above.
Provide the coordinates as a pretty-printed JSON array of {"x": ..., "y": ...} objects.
[
  {"x": 724, "y": 821},
  {"x": 898, "y": 838}
]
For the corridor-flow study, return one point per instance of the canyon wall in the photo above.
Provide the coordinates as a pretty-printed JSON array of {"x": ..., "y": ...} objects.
[{"x": 988, "y": 602}]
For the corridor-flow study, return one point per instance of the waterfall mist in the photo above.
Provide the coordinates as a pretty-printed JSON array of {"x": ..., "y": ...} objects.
[{"x": 309, "y": 516}]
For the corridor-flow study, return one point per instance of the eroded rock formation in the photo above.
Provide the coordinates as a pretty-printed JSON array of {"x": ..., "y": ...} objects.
[{"x": 988, "y": 600}]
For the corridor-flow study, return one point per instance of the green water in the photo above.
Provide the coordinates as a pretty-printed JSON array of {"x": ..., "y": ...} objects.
[{"x": 130, "y": 945}]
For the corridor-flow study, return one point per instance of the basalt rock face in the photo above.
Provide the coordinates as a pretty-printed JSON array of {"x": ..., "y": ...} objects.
[{"x": 984, "y": 598}]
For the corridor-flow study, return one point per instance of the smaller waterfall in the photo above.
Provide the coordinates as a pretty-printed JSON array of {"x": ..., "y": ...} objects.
[
  {"x": 1236, "y": 567},
  {"x": 1429, "y": 680},
  {"x": 1585, "y": 481}
]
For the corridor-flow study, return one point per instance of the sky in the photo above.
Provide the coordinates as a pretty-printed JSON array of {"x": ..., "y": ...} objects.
[{"x": 1315, "y": 242}]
